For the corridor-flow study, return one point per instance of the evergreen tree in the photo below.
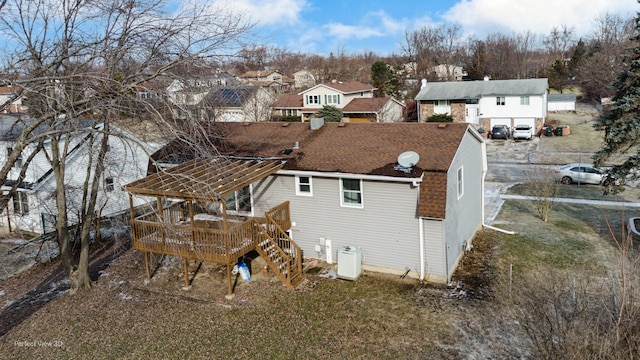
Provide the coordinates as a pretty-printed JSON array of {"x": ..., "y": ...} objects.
[
  {"x": 329, "y": 113},
  {"x": 621, "y": 122}
]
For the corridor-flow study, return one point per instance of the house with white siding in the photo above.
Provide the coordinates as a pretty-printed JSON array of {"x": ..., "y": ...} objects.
[
  {"x": 355, "y": 99},
  {"x": 409, "y": 196},
  {"x": 486, "y": 102},
  {"x": 32, "y": 205}
]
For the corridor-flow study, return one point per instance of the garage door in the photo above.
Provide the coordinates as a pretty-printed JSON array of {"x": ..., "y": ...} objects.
[
  {"x": 500, "y": 121},
  {"x": 525, "y": 121}
]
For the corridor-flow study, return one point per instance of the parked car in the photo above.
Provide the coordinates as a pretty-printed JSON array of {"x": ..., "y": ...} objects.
[
  {"x": 500, "y": 132},
  {"x": 579, "y": 173},
  {"x": 522, "y": 132}
]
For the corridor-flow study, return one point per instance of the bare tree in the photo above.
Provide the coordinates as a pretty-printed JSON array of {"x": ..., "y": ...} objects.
[
  {"x": 544, "y": 188},
  {"x": 85, "y": 60}
]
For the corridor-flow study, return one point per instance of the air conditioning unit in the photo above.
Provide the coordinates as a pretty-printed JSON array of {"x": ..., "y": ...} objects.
[{"x": 349, "y": 262}]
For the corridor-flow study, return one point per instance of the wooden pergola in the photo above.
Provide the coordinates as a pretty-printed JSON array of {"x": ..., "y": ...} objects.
[{"x": 175, "y": 229}]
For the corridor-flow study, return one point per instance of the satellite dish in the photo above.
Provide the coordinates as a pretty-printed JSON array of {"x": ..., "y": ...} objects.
[{"x": 408, "y": 159}]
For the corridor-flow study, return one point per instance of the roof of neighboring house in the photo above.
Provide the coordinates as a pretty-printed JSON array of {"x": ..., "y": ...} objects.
[
  {"x": 351, "y": 148},
  {"x": 347, "y": 87},
  {"x": 453, "y": 90},
  {"x": 258, "y": 74},
  {"x": 9, "y": 90},
  {"x": 363, "y": 105},
  {"x": 289, "y": 101},
  {"x": 561, "y": 97},
  {"x": 231, "y": 96}
]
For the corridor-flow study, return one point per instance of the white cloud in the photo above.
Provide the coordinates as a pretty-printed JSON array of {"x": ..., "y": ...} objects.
[
  {"x": 481, "y": 17},
  {"x": 267, "y": 12}
]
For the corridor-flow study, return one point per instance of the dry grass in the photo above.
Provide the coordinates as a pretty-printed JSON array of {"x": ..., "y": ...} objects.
[{"x": 375, "y": 317}]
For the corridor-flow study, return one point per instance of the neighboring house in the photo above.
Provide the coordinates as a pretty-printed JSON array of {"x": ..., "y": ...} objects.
[
  {"x": 486, "y": 103},
  {"x": 303, "y": 79},
  {"x": 12, "y": 100},
  {"x": 288, "y": 105},
  {"x": 238, "y": 103},
  {"x": 561, "y": 102},
  {"x": 32, "y": 207},
  {"x": 188, "y": 92},
  {"x": 270, "y": 80},
  {"x": 353, "y": 98},
  {"x": 344, "y": 187},
  {"x": 445, "y": 72},
  {"x": 385, "y": 109}
]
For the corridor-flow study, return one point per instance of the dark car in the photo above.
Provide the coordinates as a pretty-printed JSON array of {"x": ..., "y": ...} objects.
[{"x": 500, "y": 132}]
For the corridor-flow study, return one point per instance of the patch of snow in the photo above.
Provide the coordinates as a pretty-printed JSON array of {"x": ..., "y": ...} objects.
[
  {"x": 124, "y": 296},
  {"x": 3, "y": 293}
]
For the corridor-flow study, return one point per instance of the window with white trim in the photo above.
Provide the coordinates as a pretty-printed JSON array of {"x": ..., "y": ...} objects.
[
  {"x": 313, "y": 99},
  {"x": 289, "y": 112},
  {"x": 332, "y": 99},
  {"x": 460, "y": 183},
  {"x": 304, "y": 186},
  {"x": 524, "y": 100},
  {"x": 351, "y": 192},
  {"x": 239, "y": 201},
  {"x": 500, "y": 100}
]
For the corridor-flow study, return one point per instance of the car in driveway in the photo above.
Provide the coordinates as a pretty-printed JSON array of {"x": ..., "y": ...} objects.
[
  {"x": 522, "y": 132},
  {"x": 500, "y": 132},
  {"x": 579, "y": 173}
]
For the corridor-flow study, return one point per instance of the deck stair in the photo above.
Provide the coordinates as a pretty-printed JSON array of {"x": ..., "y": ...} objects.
[{"x": 282, "y": 255}]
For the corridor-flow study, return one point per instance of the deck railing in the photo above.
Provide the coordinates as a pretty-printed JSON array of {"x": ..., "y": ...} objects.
[
  {"x": 193, "y": 242},
  {"x": 171, "y": 234}
]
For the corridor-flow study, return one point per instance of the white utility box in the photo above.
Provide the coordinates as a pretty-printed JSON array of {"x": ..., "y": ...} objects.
[{"x": 349, "y": 262}]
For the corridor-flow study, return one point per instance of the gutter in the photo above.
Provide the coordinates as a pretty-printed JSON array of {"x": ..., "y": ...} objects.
[{"x": 413, "y": 181}]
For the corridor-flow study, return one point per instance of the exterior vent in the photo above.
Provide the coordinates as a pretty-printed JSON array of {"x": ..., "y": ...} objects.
[
  {"x": 342, "y": 124},
  {"x": 442, "y": 126},
  {"x": 285, "y": 124}
]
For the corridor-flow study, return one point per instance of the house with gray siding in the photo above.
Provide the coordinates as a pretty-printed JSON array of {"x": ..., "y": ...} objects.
[{"x": 345, "y": 186}]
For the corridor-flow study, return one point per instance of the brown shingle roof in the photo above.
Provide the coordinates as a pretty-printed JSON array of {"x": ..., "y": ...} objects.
[
  {"x": 356, "y": 148},
  {"x": 349, "y": 86},
  {"x": 288, "y": 101},
  {"x": 364, "y": 105},
  {"x": 368, "y": 148},
  {"x": 433, "y": 195}
]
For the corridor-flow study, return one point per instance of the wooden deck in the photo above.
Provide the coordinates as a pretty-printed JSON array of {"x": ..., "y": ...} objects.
[{"x": 209, "y": 238}]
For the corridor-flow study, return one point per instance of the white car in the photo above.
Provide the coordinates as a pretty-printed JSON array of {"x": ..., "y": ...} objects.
[
  {"x": 522, "y": 132},
  {"x": 579, "y": 173}
]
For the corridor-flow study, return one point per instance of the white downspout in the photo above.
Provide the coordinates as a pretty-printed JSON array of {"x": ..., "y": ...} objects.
[{"x": 421, "y": 227}]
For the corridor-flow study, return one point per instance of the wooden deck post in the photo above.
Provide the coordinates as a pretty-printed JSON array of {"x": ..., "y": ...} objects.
[
  {"x": 147, "y": 266},
  {"x": 185, "y": 263},
  {"x": 230, "y": 290}
]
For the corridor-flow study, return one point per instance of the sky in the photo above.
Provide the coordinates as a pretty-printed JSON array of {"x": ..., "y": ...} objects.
[{"x": 359, "y": 26}]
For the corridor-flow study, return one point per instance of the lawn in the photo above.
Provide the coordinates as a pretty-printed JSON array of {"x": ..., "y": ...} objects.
[{"x": 377, "y": 316}]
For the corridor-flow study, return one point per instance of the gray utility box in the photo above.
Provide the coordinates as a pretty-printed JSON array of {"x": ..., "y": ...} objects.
[{"x": 349, "y": 262}]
